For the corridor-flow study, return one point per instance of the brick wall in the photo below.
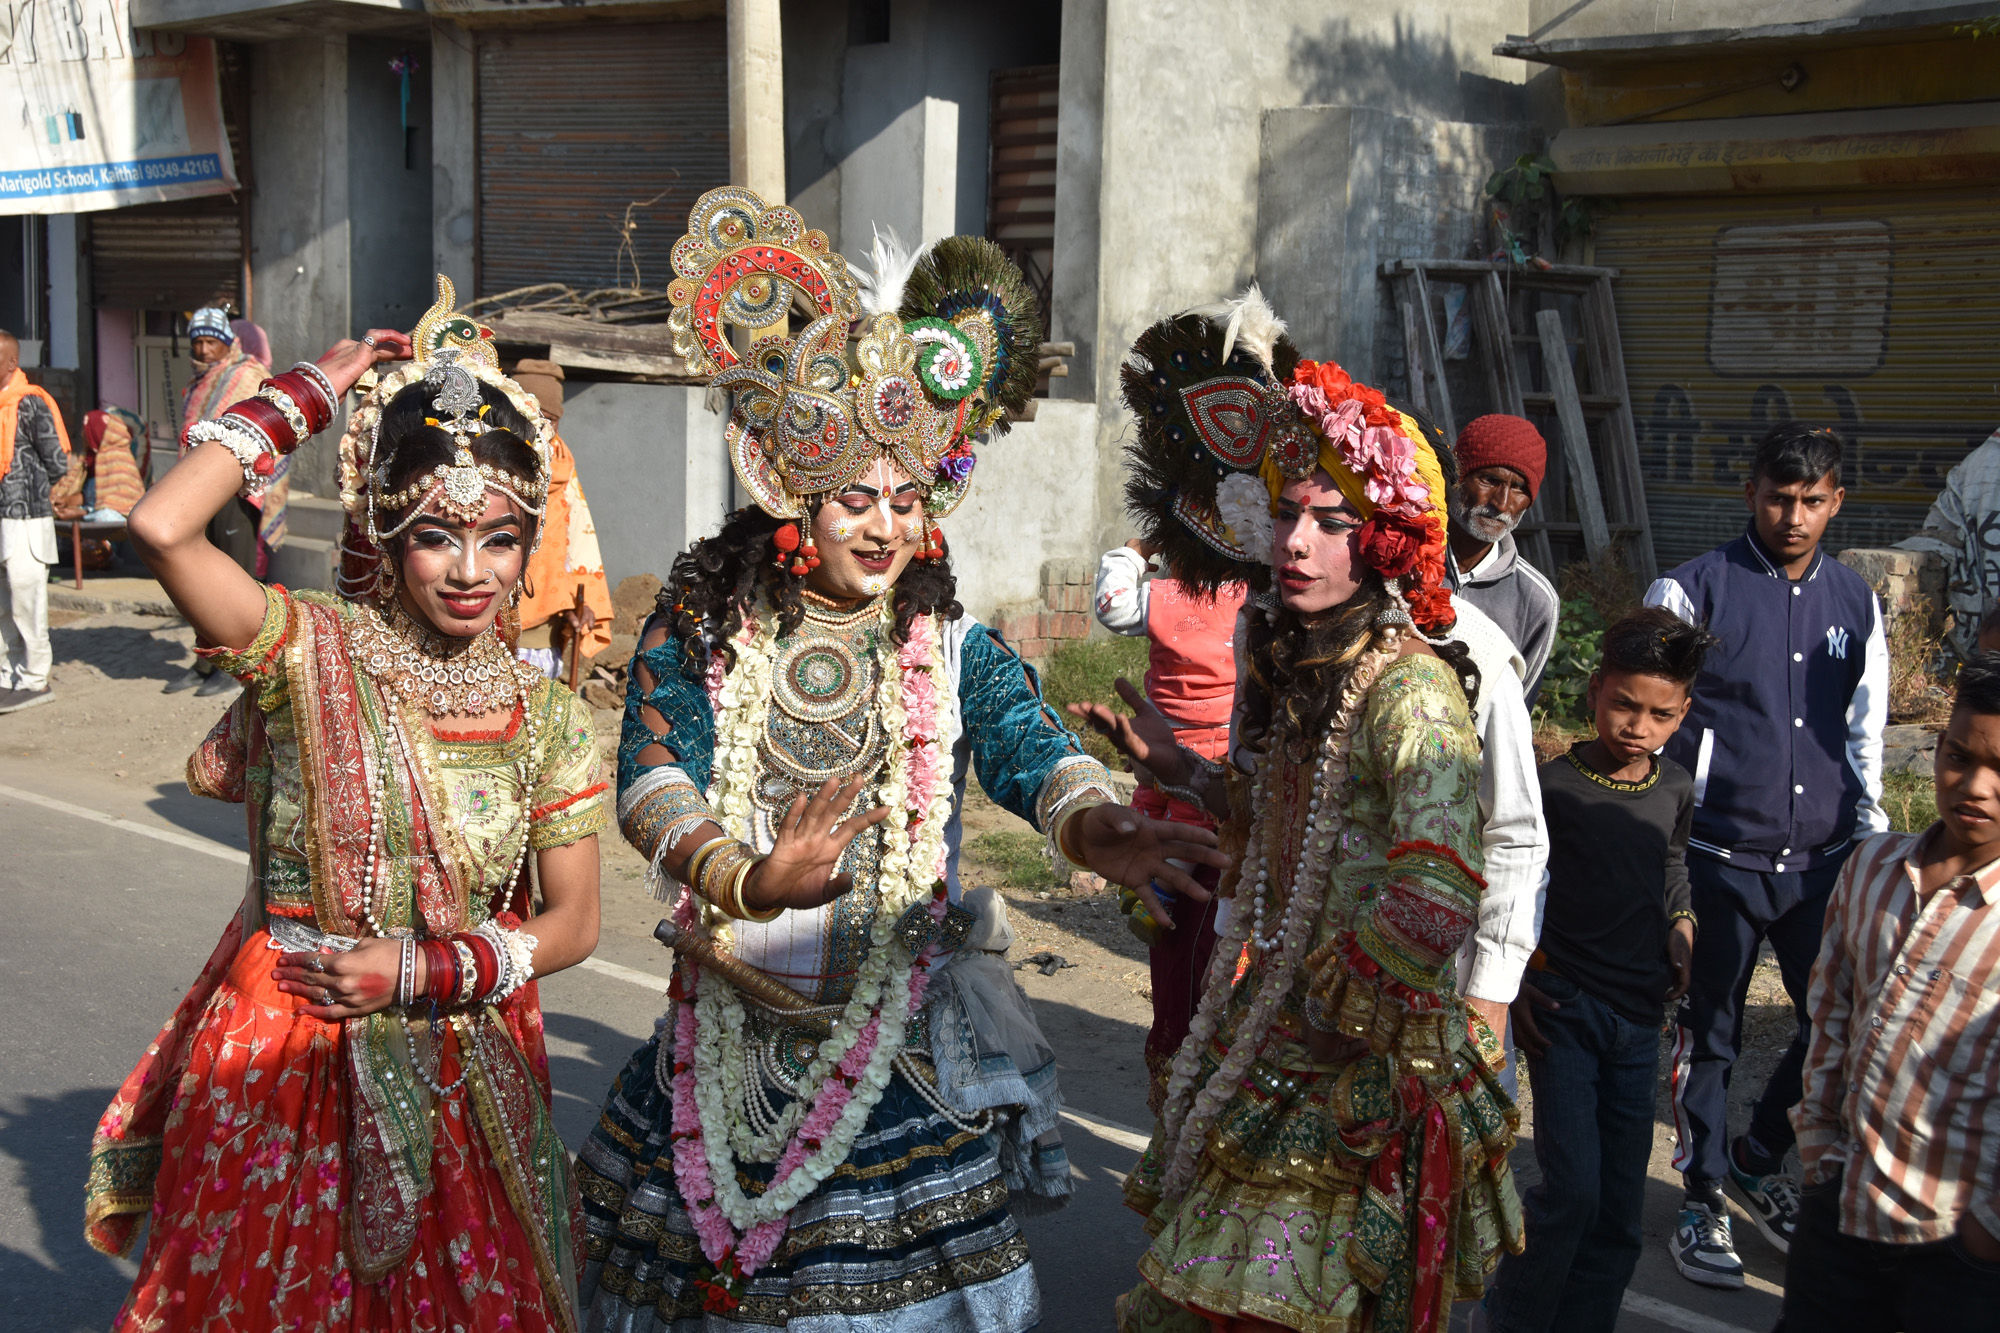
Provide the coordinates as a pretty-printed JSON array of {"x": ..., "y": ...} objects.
[{"x": 1063, "y": 614}]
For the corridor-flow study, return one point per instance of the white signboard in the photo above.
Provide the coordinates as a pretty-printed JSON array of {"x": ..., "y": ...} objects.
[
  {"x": 94, "y": 115},
  {"x": 1802, "y": 299}
]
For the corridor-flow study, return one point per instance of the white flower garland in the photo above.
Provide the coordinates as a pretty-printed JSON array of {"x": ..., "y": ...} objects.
[{"x": 882, "y": 985}]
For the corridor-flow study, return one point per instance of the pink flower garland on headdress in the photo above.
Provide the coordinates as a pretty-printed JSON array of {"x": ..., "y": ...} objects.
[{"x": 1404, "y": 538}]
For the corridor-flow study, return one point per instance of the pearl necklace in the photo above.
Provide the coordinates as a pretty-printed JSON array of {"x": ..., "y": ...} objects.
[
  {"x": 376, "y": 886},
  {"x": 1323, "y": 790}
]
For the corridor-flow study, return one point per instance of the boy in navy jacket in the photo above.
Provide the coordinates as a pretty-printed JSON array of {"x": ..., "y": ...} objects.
[{"x": 1785, "y": 744}]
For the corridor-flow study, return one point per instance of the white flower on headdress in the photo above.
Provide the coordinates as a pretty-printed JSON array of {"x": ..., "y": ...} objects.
[{"x": 1245, "y": 505}]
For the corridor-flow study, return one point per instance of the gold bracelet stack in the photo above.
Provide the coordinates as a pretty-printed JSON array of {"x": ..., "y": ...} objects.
[
  {"x": 691, "y": 871},
  {"x": 717, "y": 872}
]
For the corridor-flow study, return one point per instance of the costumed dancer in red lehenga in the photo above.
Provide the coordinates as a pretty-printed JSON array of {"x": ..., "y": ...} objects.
[{"x": 345, "y": 1125}]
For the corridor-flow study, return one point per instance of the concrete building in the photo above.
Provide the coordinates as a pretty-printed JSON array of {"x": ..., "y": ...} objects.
[
  {"x": 1138, "y": 158},
  {"x": 1803, "y": 204}
]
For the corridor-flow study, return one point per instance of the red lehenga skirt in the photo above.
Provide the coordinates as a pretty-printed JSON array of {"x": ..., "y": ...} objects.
[{"x": 250, "y": 1181}]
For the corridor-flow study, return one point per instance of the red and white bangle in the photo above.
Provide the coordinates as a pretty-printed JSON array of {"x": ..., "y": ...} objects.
[
  {"x": 271, "y": 393},
  {"x": 319, "y": 381}
]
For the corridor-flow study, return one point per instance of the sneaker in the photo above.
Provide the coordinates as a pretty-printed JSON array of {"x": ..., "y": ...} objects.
[
  {"x": 221, "y": 682},
  {"x": 1701, "y": 1246},
  {"x": 1773, "y": 1204},
  {"x": 13, "y": 701}
]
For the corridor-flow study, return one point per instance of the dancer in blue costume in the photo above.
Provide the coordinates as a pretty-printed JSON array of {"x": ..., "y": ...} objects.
[{"x": 849, "y": 1100}]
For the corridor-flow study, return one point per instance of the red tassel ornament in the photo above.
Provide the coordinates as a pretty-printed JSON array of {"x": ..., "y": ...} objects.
[{"x": 810, "y": 555}]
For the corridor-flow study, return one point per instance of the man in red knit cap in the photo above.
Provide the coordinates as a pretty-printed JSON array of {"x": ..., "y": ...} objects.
[{"x": 1500, "y": 464}]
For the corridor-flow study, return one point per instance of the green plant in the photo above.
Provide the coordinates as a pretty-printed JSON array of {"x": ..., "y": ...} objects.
[
  {"x": 1527, "y": 195},
  {"x": 1910, "y": 800},
  {"x": 1916, "y": 643},
  {"x": 1082, "y": 671},
  {"x": 1591, "y": 596},
  {"x": 1018, "y": 860}
]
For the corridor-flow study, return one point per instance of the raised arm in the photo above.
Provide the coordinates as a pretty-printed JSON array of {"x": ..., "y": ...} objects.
[{"x": 169, "y": 526}]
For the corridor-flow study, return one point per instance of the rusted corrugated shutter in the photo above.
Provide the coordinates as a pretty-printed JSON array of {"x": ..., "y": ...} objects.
[
  {"x": 579, "y": 122},
  {"x": 186, "y": 252},
  {"x": 1021, "y": 174},
  {"x": 172, "y": 256},
  {"x": 1877, "y": 315}
]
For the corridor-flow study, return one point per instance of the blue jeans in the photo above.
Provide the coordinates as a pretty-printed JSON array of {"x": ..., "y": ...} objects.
[{"x": 1593, "y": 1092}]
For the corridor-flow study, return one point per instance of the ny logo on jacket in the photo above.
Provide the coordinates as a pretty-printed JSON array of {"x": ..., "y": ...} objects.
[{"x": 1785, "y": 734}]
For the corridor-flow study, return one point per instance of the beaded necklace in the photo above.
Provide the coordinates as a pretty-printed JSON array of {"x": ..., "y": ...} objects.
[
  {"x": 392, "y": 652},
  {"x": 441, "y": 674}
]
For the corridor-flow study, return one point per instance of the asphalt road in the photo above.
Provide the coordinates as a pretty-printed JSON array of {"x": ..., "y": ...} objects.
[{"x": 106, "y": 924}]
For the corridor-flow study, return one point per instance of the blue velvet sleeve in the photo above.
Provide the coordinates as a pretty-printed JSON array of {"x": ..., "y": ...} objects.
[
  {"x": 1017, "y": 741},
  {"x": 682, "y": 702}
]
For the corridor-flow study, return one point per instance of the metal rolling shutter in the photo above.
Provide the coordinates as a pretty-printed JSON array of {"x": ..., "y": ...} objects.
[
  {"x": 579, "y": 121},
  {"x": 172, "y": 256},
  {"x": 1876, "y": 315}
]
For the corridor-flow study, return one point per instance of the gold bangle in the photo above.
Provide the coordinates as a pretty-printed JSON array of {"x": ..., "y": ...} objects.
[
  {"x": 742, "y": 910},
  {"x": 717, "y": 870},
  {"x": 1062, "y": 835},
  {"x": 691, "y": 869}
]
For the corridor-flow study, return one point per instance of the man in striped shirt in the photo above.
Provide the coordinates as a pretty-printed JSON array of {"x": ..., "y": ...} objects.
[{"x": 1899, "y": 1128}]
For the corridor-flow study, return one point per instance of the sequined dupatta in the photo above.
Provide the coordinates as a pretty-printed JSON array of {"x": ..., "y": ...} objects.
[
  {"x": 344, "y": 724},
  {"x": 346, "y": 764}
]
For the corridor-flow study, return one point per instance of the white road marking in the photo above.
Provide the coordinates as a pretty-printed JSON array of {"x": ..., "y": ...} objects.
[
  {"x": 651, "y": 981},
  {"x": 1123, "y": 1135},
  {"x": 1673, "y": 1316},
  {"x": 190, "y": 842}
]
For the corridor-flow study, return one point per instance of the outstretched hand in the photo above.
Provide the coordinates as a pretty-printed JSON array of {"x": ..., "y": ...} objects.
[
  {"x": 347, "y": 360},
  {"x": 799, "y": 871},
  {"x": 1127, "y": 848},
  {"x": 1146, "y": 738}
]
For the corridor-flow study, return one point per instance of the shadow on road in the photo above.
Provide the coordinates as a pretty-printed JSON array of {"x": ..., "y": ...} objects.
[
  {"x": 584, "y": 1056},
  {"x": 122, "y": 652},
  {"x": 218, "y": 821},
  {"x": 69, "y": 1285}
]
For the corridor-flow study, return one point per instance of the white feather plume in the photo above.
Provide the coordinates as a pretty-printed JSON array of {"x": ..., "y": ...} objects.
[
  {"x": 1245, "y": 505},
  {"x": 1247, "y": 319},
  {"x": 888, "y": 270}
]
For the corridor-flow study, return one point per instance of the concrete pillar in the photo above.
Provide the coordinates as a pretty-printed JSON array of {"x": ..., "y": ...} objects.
[
  {"x": 66, "y": 297},
  {"x": 757, "y": 98},
  {"x": 654, "y": 467},
  {"x": 299, "y": 222},
  {"x": 1079, "y": 171},
  {"x": 454, "y": 153},
  {"x": 1318, "y": 221},
  {"x": 905, "y": 177}
]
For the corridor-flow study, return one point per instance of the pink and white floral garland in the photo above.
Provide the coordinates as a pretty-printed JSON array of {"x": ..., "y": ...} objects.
[{"x": 739, "y": 1234}]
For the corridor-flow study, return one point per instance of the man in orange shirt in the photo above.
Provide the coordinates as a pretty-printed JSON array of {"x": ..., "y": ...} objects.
[{"x": 565, "y": 594}]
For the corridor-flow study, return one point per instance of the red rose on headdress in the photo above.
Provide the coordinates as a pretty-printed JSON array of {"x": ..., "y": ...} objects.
[
  {"x": 1392, "y": 543},
  {"x": 1430, "y": 607},
  {"x": 1326, "y": 376}
]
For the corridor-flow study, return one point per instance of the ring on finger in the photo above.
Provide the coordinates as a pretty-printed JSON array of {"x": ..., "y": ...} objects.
[
  {"x": 325, "y": 998},
  {"x": 368, "y": 341}
]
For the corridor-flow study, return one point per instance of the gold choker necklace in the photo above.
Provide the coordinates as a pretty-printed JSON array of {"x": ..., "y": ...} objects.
[{"x": 443, "y": 675}]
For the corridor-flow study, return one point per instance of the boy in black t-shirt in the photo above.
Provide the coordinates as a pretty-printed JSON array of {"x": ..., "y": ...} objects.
[{"x": 1617, "y": 940}]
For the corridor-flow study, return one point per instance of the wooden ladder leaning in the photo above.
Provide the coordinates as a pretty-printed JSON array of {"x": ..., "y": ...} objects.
[{"x": 1537, "y": 333}]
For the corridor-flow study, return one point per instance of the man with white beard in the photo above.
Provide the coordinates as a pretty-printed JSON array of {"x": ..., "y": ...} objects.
[{"x": 1500, "y": 464}]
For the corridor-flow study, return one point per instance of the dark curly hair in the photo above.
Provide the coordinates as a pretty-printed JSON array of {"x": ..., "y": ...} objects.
[
  {"x": 1298, "y": 668},
  {"x": 715, "y": 582},
  {"x": 409, "y": 447}
]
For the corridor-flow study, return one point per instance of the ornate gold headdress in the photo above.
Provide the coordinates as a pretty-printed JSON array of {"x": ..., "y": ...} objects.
[
  {"x": 944, "y": 345},
  {"x": 454, "y": 356}
]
